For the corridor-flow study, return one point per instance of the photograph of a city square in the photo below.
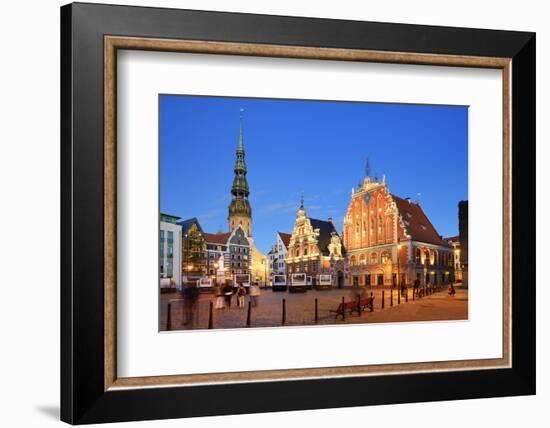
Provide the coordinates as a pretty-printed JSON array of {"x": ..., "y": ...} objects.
[{"x": 277, "y": 212}]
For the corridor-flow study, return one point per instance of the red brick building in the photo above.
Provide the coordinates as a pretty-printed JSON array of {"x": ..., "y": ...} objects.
[{"x": 387, "y": 237}]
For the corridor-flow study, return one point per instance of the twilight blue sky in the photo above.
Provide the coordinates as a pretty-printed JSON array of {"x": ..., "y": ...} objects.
[{"x": 315, "y": 146}]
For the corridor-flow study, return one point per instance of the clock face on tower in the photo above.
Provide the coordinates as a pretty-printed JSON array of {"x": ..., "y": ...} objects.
[{"x": 367, "y": 198}]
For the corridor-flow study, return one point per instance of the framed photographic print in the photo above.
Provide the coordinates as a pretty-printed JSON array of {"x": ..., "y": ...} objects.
[{"x": 308, "y": 213}]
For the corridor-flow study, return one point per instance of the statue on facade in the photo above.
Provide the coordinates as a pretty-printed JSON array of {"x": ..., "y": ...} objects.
[{"x": 335, "y": 246}]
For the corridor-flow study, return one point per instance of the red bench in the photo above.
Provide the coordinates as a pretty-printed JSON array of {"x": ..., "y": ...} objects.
[{"x": 354, "y": 305}]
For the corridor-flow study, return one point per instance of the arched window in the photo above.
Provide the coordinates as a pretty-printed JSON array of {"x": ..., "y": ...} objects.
[
  {"x": 418, "y": 256},
  {"x": 388, "y": 228},
  {"x": 373, "y": 258},
  {"x": 357, "y": 227},
  {"x": 353, "y": 260},
  {"x": 305, "y": 251},
  {"x": 379, "y": 227},
  {"x": 362, "y": 259},
  {"x": 371, "y": 227},
  {"x": 385, "y": 257},
  {"x": 436, "y": 258}
]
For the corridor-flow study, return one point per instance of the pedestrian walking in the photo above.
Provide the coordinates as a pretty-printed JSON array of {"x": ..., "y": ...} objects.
[
  {"x": 227, "y": 293},
  {"x": 241, "y": 294},
  {"x": 219, "y": 298},
  {"x": 190, "y": 298},
  {"x": 452, "y": 290},
  {"x": 254, "y": 294}
]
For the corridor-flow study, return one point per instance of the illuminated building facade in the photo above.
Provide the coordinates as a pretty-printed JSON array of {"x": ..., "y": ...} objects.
[
  {"x": 193, "y": 250},
  {"x": 315, "y": 248},
  {"x": 390, "y": 240},
  {"x": 454, "y": 241}
]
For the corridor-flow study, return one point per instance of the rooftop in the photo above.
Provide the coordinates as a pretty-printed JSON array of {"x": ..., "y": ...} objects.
[
  {"x": 217, "y": 238},
  {"x": 417, "y": 223}
]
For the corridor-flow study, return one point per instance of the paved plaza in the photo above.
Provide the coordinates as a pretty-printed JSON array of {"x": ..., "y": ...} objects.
[{"x": 300, "y": 309}]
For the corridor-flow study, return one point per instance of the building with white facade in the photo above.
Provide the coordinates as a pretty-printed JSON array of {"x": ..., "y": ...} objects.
[
  {"x": 169, "y": 252},
  {"x": 278, "y": 254}
]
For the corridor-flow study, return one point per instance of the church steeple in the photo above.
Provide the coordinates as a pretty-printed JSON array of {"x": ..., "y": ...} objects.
[{"x": 239, "y": 209}]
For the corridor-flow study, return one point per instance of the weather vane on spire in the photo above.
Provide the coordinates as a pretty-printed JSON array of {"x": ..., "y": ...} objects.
[
  {"x": 241, "y": 111},
  {"x": 367, "y": 168},
  {"x": 302, "y": 199}
]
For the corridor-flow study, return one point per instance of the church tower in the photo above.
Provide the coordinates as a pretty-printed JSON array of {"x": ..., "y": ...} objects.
[{"x": 239, "y": 208}]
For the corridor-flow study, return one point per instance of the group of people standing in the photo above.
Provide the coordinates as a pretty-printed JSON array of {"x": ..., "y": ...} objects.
[{"x": 224, "y": 295}]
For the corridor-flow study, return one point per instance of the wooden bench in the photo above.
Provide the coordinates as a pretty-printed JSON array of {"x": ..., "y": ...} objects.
[{"x": 354, "y": 305}]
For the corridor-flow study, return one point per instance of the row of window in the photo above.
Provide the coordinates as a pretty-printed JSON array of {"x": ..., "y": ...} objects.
[
  {"x": 310, "y": 267},
  {"x": 277, "y": 265},
  {"x": 373, "y": 258},
  {"x": 432, "y": 257},
  {"x": 296, "y": 252},
  {"x": 167, "y": 269},
  {"x": 238, "y": 264}
]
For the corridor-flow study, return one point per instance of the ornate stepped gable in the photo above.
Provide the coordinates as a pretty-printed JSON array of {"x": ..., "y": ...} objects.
[
  {"x": 312, "y": 239},
  {"x": 377, "y": 217}
]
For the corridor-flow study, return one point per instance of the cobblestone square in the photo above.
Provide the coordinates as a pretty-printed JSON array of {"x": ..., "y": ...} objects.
[{"x": 300, "y": 309}]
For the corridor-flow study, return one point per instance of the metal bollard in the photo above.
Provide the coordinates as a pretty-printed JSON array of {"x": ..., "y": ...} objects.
[
  {"x": 248, "y": 314},
  {"x": 406, "y": 295},
  {"x": 169, "y": 317},
  {"x": 391, "y": 297},
  {"x": 343, "y": 309},
  {"x": 383, "y": 299},
  {"x": 316, "y": 311},
  {"x": 359, "y": 304},
  {"x": 371, "y": 302},
  {"x": 211, "y": 317},
  {"x": 284, "y": 312},
  {"x": 398, "y": 296}
]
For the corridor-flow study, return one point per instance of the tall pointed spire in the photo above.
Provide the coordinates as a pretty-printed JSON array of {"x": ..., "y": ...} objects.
[
  {"x": 239, "y": 209},
  {"x": 240, "y": 144}
]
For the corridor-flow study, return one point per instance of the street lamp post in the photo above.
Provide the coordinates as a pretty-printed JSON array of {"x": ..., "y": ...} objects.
[
  {"x": 398, "y": 275},
  {"x": 265, "y": 273}
]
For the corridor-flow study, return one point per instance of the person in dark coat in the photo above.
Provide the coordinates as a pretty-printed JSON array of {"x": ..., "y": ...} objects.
[
  {"x": 190, "y": 298},
  {"x": 227, "y": 293}
]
